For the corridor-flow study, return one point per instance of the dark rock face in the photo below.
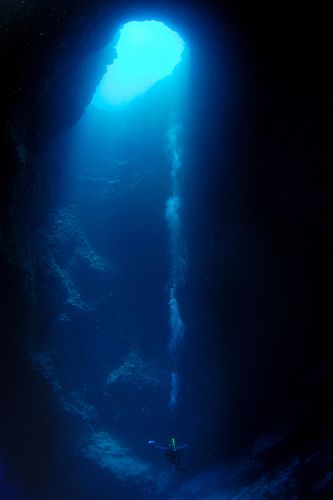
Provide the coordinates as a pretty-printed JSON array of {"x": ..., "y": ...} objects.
[
  {"x": 260, "y": 229},
  {"x": 40, "y": 54}
]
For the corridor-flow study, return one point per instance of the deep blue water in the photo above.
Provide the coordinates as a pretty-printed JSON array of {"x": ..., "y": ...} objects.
[
  {"x": 160, "y": 325},
  {"x": 115, "y": 266}
]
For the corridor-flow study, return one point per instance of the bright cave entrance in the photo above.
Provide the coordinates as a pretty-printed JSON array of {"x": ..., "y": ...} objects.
[{"x": 146, "y": 52}]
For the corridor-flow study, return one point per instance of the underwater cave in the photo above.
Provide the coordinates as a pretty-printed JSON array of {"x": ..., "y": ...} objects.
[{"x": 164, "y": 250}]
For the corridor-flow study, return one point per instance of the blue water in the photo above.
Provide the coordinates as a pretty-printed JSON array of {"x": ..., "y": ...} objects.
[
  {"x": 160, "y": 295},
  {"x": 114, "y": 250},
  {"x": 9, "y": 488},
  {"x": 146, "y": 52}
]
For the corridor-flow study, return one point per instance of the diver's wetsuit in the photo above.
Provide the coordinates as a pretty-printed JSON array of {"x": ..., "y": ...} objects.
[
  {"x": 171, "y": 453},
  {"x": 174, "y": 458}
]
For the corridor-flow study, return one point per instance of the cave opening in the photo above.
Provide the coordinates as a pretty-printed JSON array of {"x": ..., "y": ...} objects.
[
  {"x": 146, "y": 52},
  {"x": 104, "y": 315},
  {"x": 116, "y": 252}
]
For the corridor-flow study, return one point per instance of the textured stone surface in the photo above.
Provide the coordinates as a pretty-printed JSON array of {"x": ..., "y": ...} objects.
[
  {"x": 95, "y": 443},
  {"x": 118, "y": 459},
  {"x": 270, "y": 172},
  {"x": 133, "y": 371},
  {"x": 64, "y": 247}
]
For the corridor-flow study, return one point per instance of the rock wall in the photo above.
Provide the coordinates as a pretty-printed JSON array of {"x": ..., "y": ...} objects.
[{"x": 278, "y": 195}]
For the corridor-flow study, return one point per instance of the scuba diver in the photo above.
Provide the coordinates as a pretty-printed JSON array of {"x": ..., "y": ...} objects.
[{"x": 171, "y": 452}]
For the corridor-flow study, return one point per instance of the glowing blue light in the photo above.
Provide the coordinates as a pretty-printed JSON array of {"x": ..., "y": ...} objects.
[{"x": 146, "y": 52}]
